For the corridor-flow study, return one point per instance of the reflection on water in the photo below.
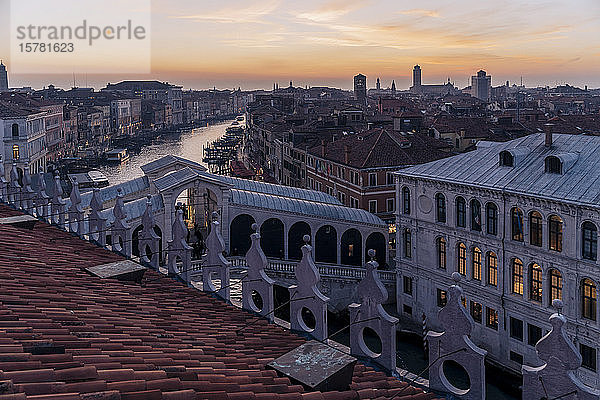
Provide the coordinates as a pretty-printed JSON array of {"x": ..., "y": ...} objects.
[{"x": 188, "y": 145}]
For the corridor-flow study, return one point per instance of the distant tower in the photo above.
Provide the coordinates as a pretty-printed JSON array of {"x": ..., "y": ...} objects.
[
  {"x": 393, "y": 86},
  {"x": 416, "y": 76},
  {"x": 378, "y": 85},
  {"x": 3, "y": 77},
  {"x": 360, "y": 88},
  {"x": 481, "y": 86},
  {"x": 291, "y": 84}
]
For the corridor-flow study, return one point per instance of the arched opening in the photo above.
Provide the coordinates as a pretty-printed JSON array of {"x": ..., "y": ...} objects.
[
  {"x": 351, "y": 247},
  {"x": 556, "y": 285},
  {"x": 506, "y": 159},
  {"x": 553, "y": 165},
  {"x": 326, "y": 245},
  {"x": 271, "y": 238},
  {"x": 589, "y": 241},
  {"x": 135, "y": 241},
  {"x": 475, "y": 215},
  {"x": 296, "y": 241},
  {"x": 239, "y": 235},
  {"x": 376, "y": 241},
  {"x": 535, "y": 282},
  {"x": 15, "y": 130}
]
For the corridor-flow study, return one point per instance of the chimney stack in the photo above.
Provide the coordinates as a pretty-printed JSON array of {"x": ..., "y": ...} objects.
[
  {"x": 346, "y": 154},
  {"x": 548, "y": 131}
]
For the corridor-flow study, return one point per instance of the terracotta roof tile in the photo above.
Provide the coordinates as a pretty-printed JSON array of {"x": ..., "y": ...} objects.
[{"x": 67, "y": 335}]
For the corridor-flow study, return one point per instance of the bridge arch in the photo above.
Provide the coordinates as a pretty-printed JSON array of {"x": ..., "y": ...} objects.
[
  {"x": 272, "y": 234},
  {"x": 239, "y": 234},
  {"x": 376, "y": 241},
  {"x": 351, "y": 247},
  {"x": 326, "y": 245},
  {"x": 295, "y": 239}
]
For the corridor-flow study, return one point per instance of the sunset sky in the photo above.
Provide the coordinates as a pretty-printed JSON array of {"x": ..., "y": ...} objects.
[{"x": 205, "y": 43}]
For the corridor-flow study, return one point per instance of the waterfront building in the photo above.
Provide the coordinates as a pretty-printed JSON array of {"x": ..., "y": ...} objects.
[
  {"x": 360, "y": 88},
  {"x": 481, "y": 86},
  {"x": 3, "y": 77},
  {"x": 23, "y": 140},
  {"x": 152, "y": 90},
  {"x": 519, "y": 221}
]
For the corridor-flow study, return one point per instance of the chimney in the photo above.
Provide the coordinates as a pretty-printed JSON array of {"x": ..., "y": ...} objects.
[
  {"x": 346, "y": 154},
  {"x": 548, "y": 131},
  {"x": 323, "y": 148}
]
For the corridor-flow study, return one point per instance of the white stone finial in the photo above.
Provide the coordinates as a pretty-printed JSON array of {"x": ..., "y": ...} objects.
[
  {"x": 96, "y": 221},
  {"x": 179, "y": 249},
  {"x": 120, "y": 229},
  {"x": 57, "y": 203},
  {"x": 76, "y": 223},
  {"x": 307, "y": 275},
  {"x": 148, "y": 239},
  {"x": 257, "y": 280},
  {"x": 371, "y": 314},
  {"x": 306, "y": 239},
  {"x": 3, "y": 183},
  {"x": 456, "y": 277},
  {"x": 558, "y": 305},
  {"x": 557, "y": 376},
  {"x": 215, "y": 262},
  {"x": 454, "y": 344}
]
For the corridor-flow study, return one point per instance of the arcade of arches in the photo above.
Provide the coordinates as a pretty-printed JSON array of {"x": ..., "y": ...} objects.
[{"x": 326, "y": 248}]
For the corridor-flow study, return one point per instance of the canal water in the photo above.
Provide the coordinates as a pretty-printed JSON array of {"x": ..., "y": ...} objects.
[{"x": 188, "y": 145}]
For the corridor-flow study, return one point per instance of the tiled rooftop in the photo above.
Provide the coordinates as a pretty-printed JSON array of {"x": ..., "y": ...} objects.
[{"x": 65, "y": 334}]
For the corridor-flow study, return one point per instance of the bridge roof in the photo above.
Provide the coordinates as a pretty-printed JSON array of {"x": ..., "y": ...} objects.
[
  {"x": 304, "y": 207},
  {"x": 277, "y": 190},
  {"x": 135, "y": 209}
]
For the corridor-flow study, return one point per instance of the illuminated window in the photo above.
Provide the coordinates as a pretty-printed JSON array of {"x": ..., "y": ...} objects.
[
  {"x": 555, "y": 285},
  {"x": 15, "y": 152},
  {"x": 535, "y": 282},
  {"x": 492, "y": 269},
  {"x": 517, "y": 276},
  {"x": 491, "y": 318},
  {"x": 588, "y": 299},
  {"x": 476, "y": 264},
  {"x": 462, "y": 259}
]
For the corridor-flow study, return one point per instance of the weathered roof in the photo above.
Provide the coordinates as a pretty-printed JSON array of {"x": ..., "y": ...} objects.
[
  {"x": 304, "y": 207},
  {"x": 578, "y": 182},
  {"x": 67, "y": 334},
  {"x": 277, "y": 190}
]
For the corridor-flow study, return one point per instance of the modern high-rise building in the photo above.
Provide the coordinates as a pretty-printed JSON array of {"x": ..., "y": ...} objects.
[
  {"x": 3, "y": 77},
  {"x": 360, "y": 88},
  {"x": 416, "y": 76},
  {"x": 481, "y": 86}
]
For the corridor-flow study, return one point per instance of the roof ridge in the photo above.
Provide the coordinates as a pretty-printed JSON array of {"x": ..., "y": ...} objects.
[{"x": 372, "y": 148}]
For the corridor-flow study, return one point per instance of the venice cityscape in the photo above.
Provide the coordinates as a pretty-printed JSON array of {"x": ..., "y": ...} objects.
[{"x": 323, "y": 200}]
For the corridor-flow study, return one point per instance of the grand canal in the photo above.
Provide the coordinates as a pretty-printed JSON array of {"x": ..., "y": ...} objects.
[{"x": 188, "y": 145}]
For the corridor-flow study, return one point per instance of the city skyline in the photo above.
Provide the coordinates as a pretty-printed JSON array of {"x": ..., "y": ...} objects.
[{"x": 252, "y": 45}]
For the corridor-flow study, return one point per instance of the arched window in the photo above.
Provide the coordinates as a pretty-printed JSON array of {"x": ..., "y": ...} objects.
[
  {"x": 556, "y": 285},
  {"x": 461, "y": 266},
  {"x": 535, "y": 228},
  {"x": 517, "y": 276},
  {"x": 476, "y": 263},
  {"x": 15, "y": 152},
  {"x": 440, "y": 202},
  {"x": 506, "y": 159},
  {"x": 492, "y": 269},
  {"x": 588, "y": 299},
  {"x": 589, "y": 241},
  {"x": 441, "y": 252},
  {"x": 405, "y": 200},
  {"x": 407, "y": 243},
  {"x": 461, "y": 212},
  {"x": 553, "y": 165},
  {"x": 475, "y": 215},
  {"x": 15, "y": 130},
  {"x": 516, "y": 224},
  {"x": 491, "y": 212},
  {"x": 555, "y": 233},
  {"x": 535, "y": 282}
]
